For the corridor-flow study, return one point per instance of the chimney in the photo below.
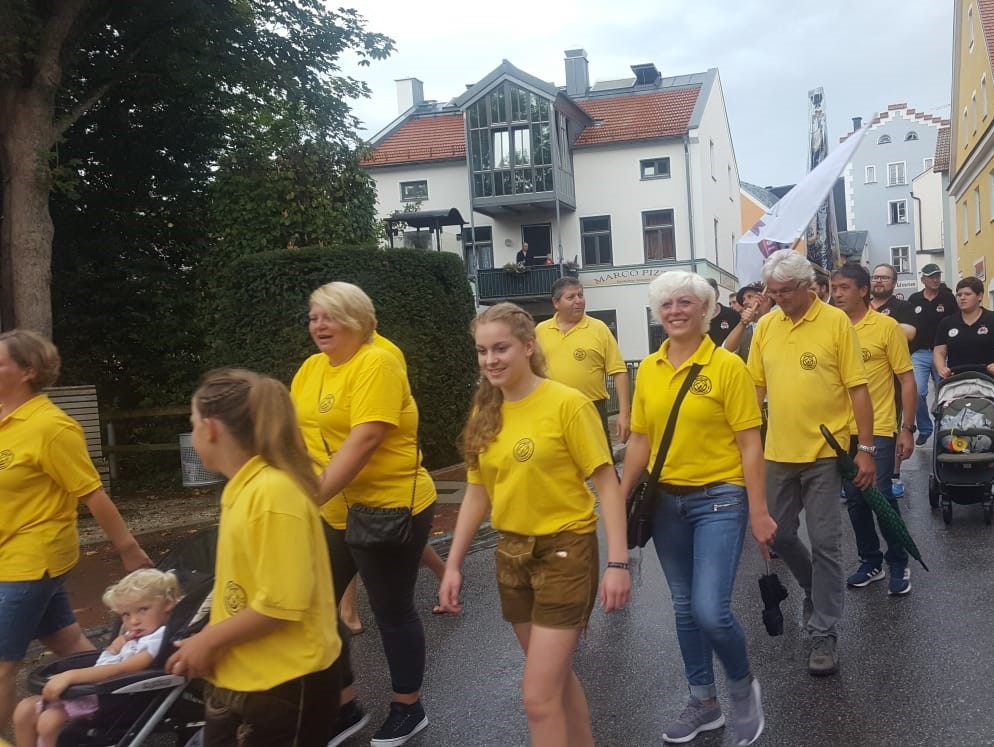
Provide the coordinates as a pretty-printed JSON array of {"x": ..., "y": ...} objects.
[
  {"x": 410, "y": 93},
  {"x": 646, "y": 74},
  {"x": 857, "y": 122},
  {"x": 577, "y": 75}
]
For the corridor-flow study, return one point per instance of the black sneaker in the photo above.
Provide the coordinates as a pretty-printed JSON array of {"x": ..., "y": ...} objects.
[
  {"x": 922, "y": 438},
  {"x": 403, "y": 723},
  {"x": 351, "y": 719}
]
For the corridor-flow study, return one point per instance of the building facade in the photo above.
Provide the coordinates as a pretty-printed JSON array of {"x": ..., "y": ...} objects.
[
  {"x": 614, "y": 181},
  {"x": 899, "y": 146},
  {"x": 971, "y": 142}
]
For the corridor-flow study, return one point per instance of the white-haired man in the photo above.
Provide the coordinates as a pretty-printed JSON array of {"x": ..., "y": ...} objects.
[{"x": 805, "y": 360}]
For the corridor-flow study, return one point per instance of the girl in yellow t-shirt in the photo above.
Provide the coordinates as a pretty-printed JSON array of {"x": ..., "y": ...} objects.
[
  {"x": 272, "y": 640},
  {"x": 529, "y": 445}
]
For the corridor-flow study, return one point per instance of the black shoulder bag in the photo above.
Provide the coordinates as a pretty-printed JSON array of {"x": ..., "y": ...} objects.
[{"x": 642, "y": 502}]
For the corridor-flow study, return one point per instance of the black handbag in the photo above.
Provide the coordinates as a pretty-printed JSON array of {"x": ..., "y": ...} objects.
[
  {"x": 374, "y": 528},
  {"x": 641, "y": 504}
]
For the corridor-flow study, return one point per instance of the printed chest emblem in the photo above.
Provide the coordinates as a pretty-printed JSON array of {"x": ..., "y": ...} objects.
[
  {"x": 701, "y": 385},
  {"x": 982, "y": 330},
  {"x": 326, "y": 403},
  {"x": 524, "y": 449},
  {"x": 579, "y": 354},
  {"x": 918, "y": 309},
  {"x": 866, "y": 354},
  {"x": 724, "y": 324},
  {"x": 953, "y": 332},
  {"x": 6, "y": 458},
  {"x": 940, "y": 308},
  {"x": 234, "y": 598},
  {"x": 809, "y": 361}
]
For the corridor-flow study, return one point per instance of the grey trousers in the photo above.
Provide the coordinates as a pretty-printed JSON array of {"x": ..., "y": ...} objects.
[{"x": 814, "y": 487}]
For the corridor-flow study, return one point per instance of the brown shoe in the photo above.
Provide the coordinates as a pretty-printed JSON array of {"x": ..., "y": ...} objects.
[{"x": 824, "y": 658}]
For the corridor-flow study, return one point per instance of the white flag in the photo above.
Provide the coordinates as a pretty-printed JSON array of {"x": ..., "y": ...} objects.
[{"x": 788, "y": 220}]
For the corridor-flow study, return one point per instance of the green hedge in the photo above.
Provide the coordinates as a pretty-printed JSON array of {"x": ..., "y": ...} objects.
[{"x": 423, "y": 302}]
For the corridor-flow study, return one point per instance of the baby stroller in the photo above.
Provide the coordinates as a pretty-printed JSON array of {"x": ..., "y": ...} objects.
[
  {"x": 963, "y": 448},
  {"x": 133, "y": 707}
]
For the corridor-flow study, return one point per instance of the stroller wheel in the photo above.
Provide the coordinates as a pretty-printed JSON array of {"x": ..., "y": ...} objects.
[
  {"x": 933, "y": 491},
  {"x": 947, "y": 511}
]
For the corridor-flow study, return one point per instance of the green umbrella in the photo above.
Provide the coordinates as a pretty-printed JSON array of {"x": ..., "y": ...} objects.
[{"x": 890, "y": 520}]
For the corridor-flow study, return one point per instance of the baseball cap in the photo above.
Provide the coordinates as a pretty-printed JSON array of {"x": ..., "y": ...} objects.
[{"x": 931, "y": 269}]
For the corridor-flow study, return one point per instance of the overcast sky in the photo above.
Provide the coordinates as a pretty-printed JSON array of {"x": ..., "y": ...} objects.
[{"x": 866, "y": 54}]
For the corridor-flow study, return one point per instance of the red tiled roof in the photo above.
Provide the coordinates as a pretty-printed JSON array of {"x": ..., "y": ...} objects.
[
  {"x": 422, "y": 139},
  {"x": 942, "y": 151},
  {"x": 986, "y": 8},
  {"x": 650, "y": 115}
]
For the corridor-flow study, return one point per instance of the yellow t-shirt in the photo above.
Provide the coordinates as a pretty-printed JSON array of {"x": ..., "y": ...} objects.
[
  {"x": 884, "y": 349},
  {"x": 534, "y": 470},
  {"x": 582, "y": 357},
  {"x": 720, "y": 402},
  {"x": 807, "y": 369},
  {"x": 272, "y": 557},
  {"x": 44, "y": 470},
  {"x": 369, "y": 387}
]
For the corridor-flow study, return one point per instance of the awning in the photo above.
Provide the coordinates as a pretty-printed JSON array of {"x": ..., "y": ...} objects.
[{"x": 433, "y": 220}]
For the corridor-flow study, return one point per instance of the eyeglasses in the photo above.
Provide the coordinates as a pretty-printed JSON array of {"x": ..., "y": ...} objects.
[
  {"x": 881, "y": 278},
  {"x": 783, "y": 291}
]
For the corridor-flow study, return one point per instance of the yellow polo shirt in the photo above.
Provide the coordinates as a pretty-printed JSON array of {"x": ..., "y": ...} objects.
[
  {"x": 884, "y": 350},
  {"x": 720, "y": 402},
  {"x": 582, "y": 357},
  {"x": 807, "y": 369},
  {"x": 272, "y": 557},
  {"x": 534, "y": 470},
  {"x": 369, "y": 387},
  {"x": 44, "y": 470}
]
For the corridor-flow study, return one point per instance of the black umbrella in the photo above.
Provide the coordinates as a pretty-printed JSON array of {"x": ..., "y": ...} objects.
[
  {"x": 890, "y": 520},
  {"x": 773, "y": 592}
]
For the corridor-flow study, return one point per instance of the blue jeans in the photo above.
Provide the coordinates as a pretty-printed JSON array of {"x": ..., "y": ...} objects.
[
  {"x": 698, "y": 538},
  {"x": 923, "y": 367},
  {"x": 861, "y": 515}
]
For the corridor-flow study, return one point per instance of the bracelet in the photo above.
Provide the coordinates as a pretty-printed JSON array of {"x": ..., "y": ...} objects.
[{"x": 615, "y": 564}]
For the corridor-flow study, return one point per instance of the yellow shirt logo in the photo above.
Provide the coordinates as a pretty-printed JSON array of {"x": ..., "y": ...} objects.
[
  {"x": 326, "y": 403},
  {"x": 524, "y": 449},
  {"x": 579, "y": 354},
  {"x": 866, "y": 354},
  {"x": 809, "y": 361},
  {"x": 701, "y": 385},
  {"x": 234, "y": 598},
  {"x": 6, "y": 458}
]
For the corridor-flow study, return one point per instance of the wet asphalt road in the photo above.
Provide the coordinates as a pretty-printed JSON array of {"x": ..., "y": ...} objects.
[{"x": 916, "y": 670}]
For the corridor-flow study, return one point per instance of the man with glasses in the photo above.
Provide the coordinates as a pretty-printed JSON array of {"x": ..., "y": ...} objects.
[
  {"x": 931, "y": 305},
  {"x": 806, "y": 361},
  {"x": 883, "y": 301}
]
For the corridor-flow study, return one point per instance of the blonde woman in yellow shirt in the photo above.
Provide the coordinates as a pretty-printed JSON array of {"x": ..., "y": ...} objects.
[
  {"x": 360, "y": 422},
  {"x": 271, "y": 644},
  {"x": 45, "y": 471},
  {"x": 529, "y": 445}
]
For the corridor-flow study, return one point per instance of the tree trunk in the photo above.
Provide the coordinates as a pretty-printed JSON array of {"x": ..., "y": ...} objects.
[{"x": 26, "y": 239}]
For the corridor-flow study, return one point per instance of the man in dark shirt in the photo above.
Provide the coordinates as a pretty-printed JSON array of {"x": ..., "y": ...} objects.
[
  {"x": 883, "y": 301},
  {"x": 723, "y": 320},
  {"x": 930, "y": 305}
]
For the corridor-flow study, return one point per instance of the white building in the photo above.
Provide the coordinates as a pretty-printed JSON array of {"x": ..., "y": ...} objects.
[{"x": 626, "y": 178}]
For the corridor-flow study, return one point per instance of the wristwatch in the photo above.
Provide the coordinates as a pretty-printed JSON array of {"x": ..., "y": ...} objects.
[
  {"x": 910, "y": 428},
  {"x": 871, "y": 450}
]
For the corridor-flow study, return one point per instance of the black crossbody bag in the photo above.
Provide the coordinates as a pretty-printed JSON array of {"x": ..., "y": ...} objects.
[{"x": 642, "y": 502}]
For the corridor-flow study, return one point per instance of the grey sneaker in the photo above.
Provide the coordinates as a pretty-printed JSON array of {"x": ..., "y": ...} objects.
[
  {"x": 747, "y": 715},
  {"x": 698, "y": 716},
  {"x": 824, "y": 658}
]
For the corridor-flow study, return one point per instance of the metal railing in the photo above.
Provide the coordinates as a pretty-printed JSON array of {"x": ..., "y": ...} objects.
[
  {"x": 498, "y": 284},
  {"x": 612, "y": 394}
]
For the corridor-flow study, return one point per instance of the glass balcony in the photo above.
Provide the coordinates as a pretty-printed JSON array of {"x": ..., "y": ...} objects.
[{"x": 533, "y": 284}]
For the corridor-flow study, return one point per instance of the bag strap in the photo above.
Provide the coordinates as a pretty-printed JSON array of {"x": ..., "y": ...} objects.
[{"x": 664, "y": 444}]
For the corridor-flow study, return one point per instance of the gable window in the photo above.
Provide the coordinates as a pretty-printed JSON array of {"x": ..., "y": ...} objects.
[
  {"x": 897, "y": 211},
  {"x": 911, "y": 136},
  {"x": 658, "y": 236},
  {"x": 927, "y": 164},
  {"x": 883, "y": 140},
  {"x": 900, "y": 257},
  {"x": 412, "y": 191},
  {"x": 596, "y": 239},
  {"x": 655, "y": 168},
  {"x": 895, "y": 174},
  {"x": 870, "y": 176}
]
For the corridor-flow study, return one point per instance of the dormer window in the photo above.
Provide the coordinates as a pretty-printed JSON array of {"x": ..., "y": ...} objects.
[
  {"x": 911, "y": 136},
  {"x": 883, "y": 140}
]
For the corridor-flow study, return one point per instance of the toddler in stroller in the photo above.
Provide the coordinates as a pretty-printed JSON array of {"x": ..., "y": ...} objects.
[
  {"x": 121, "y": 695},
  {"x": 963, "y": 451}
]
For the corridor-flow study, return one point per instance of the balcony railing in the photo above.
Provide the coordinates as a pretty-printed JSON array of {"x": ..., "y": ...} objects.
[{"x": 534, "y": 284}]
